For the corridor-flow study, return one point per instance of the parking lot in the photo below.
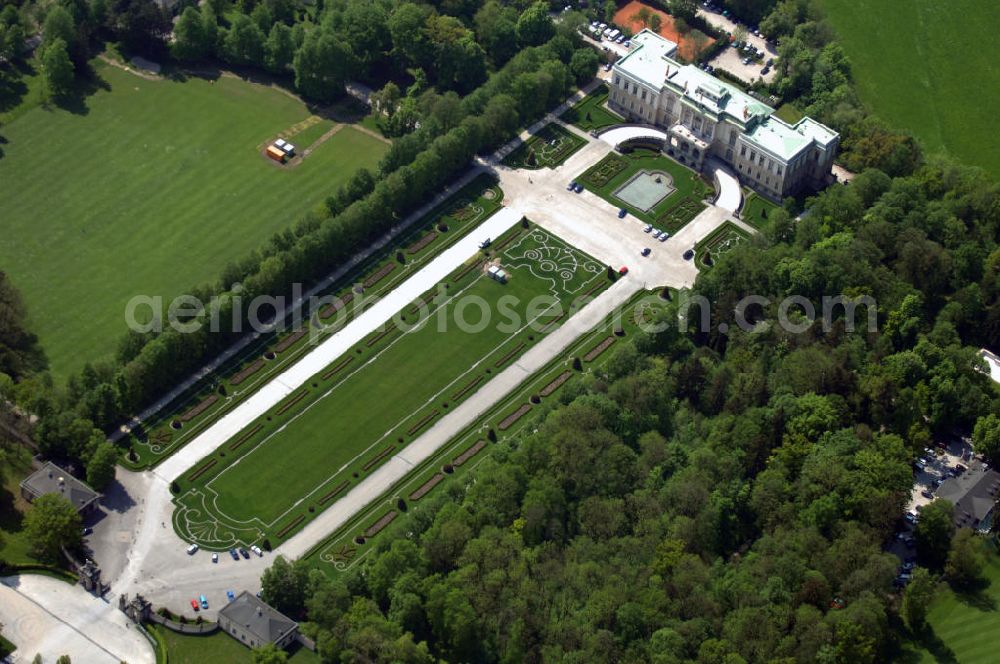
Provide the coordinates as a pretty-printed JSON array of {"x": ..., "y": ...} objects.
[{"x": 731, "y": 59}]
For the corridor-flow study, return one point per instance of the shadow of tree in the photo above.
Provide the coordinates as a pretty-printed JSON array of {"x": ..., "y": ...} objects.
[
  {"x": 977, "y": 596},
  {"x": 87, "y": 83},
  {"x": 929, "y": 640},
  {"x": 11, "y": 520}
]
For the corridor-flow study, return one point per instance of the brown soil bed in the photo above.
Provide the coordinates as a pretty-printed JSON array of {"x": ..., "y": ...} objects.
[
  {"x": 381, "y": 335},
  {"x": 378, "y": 457},
  {"x": 334, "y": 307},
  {"x": 384, "y": 521},
  {"x": 247, "y": 371},
  {"x": 508, "y": 421},
  {"x": 245, "y": 437},
  {"x": 202, "y": 470},
  {"x": 422, "y": 423},
  {"x": 504, "y": 242},
  {"x": 458, "y": 277},
  {"x": 462, "y": 392},
  {"x": 595, "y": 352},
  {"x": 506, "y": 358},
  {"x": 556, "y": 383},
  {"x": 424, "y": 488},
  {"x": 287, "y": 342},
  {"x": 552, "y": 323},
  {"x": 421, "y": 303},
  {"x": 291, "y": 402},
  {"x": 291, "y": 524},
  {"x": 337, "y": 368},
  {"x": 472, "y": 451},
  {"x": 204, "y": 405},
  {"x": 382, "y": 273},
  {"x": 332, "y": 492},
  {"x": 422, "y": 242},
  {"x": 588, "y": 292}
]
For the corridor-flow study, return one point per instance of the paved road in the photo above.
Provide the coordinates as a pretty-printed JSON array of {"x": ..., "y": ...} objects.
[{"x": 43, "y": 615}]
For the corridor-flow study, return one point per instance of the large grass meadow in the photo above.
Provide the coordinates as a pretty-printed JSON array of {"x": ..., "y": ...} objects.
[
  {"x": 929, "y": 67},
  {"x": 148, "y": 187},
  {"x": 355, "y": 415}
]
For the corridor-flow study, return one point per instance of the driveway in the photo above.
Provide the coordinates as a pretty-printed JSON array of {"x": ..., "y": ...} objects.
[{"x": 46, "y": 616}]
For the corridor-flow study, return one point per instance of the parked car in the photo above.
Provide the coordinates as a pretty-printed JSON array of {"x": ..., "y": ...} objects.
[
  {"x": 193, "y": 549},
  {"x": 231, "y": 595},
  {"x": 907, "y": 567},
  {"x": 937, "y": 483},
  {"x": 927, "y": 494},
  {"x": 646, "y": 251},
  {"x": 256, "y": 549},
  {"x": 911, "y": 518},
  {"x": 648, "y": 228},
  {"x": 622, "y": 212},
  {"x": 663, "y": 236},
  {"x": 233, "y": 554},
  {"x": 689, "y": 254},
  {"x": 579, "y": 188},
  {"x": 204, "y": 602},
  {"x": 194, "y": 604},
  {"x": 485, "y": 243},
  {"x": 765, "y": 71},
  {"x": 623, "y": 270},
  {"x": 960, "y": 468},
  {"x": 607, "y": 67},
  {"x": 244, "y": 553},
  {"x": 571, "y": 186},
  {"x": 215, "y": 557},
  {"x": 88, "y": 531}
]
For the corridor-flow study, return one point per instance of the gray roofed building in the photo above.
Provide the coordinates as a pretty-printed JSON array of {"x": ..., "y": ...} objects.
[
  {"x": 254, "y": 623},
  {"x": 50, "y": 478},
  {"x": 973, "y": 494}
]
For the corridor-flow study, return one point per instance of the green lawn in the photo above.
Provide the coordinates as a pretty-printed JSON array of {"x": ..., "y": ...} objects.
[
  {"x": 670, "y": 214},
  {"x": 928, "y": 67},
  {"x": 961, "y": 624},
  {"x": 720, "y": 241},
  {"x": 551, "y": 146},
  {"x": 789, "y": 113},
  {"x": 589, "y": 113},
  {"x": 354, "y": 417},
  {"x": 218, "y": 648},
  {"x": 422, "y": 242},
  {"x": 148, "y": 187},
  {"x": 756, "y": 210}
]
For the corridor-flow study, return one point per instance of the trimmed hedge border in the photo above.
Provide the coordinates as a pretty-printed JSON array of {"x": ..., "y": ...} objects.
[
  {"x": 508, "y": 421},
  {"x": 245, "y": 437},
  {"x": 595, "y": 352},
  {"x": 246, "y": 372},
  {"x": 384, "y": 520},
  {"x": 506, "y": 358},
  {"x": 424, "y": 488},
  {"x": 378, "y": 457},
  {"x": 333, "y": 492},
  {"x": 470, "y": 452},
  {"x": 294, "y": 522},
  {"x": 337, "y": 368},
  {"x": 291, "y": 402},
  {"x": 202, "y": 406},
  {"x": 422, "y": 423},
  {"x": 556, "y": 383}
]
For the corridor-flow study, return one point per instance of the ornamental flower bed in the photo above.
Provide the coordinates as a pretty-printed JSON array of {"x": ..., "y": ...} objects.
[
  {"x": 506, "y": 358},
  {"x": 332, "y": 492},
  {"x": 555, "y": 384},
  {"x": 246, "y": 372},
  {"x": 384, "y": 521},
  {"x": 202, "y": 470},
  {"x": 422, "y": 242},
  {"x": 381, "y": 274},
  {"x": 291, "y": 524},
  {"x": 508, "y": 421},
  {"x": 200, "y": 408},
  {"x": 601, "y": 174},
  {"x": 378, "y": 457},
  {"x": 472, "y": 451},
  {"x": 287, "y": 342},
  {"x": 337, "y": 368},
  {"x": 596, "y": 351},
  {"x": 422, "y": 423},
  {"x": 465, "y": 390},
  {"x": 291, "y": 402},
  {"x": 245, "y": 437},
  {"x": 426, "y": 487},
  {"x": 334, "y": 307}
]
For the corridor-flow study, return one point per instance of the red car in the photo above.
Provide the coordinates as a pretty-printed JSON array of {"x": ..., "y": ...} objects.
[
  {"x": 623, "y": 270},
  {"x": 194, "y": 604}
]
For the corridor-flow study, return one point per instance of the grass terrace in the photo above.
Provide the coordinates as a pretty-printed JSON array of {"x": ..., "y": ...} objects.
[
  {"x": 607, "y": 178},
  {"x": 382, "y": 394},
  {"x": 384, "y": 520},
  {"x": 720, "y": 241},
  {"x": 263, "y": 360},
  {"x": 590, "y": 113},
  {"x": 756, "y": 209},
  {"x": 217, "y": 647},
  {"x": 150, "y": 187},
  {"x": 551, "y": 146}
]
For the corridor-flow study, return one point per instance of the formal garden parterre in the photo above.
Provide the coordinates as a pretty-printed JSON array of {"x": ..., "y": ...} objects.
[
  {"x": 591, "y": 112},
  {"x": 550, "y": 147},
  {"x": 683, "y": 189},
  {"x": 722, "y": 240},
  {"x": 268, "y": 356},
  {"x": 346, "y": 426},
  {"x": 453, "y": 468}
]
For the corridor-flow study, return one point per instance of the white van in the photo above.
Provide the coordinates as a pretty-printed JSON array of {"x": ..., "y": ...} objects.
[{"x": 193, "y": 549}]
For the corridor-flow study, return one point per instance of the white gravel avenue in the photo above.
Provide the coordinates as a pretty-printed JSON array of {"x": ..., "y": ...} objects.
[{"x": 298, "y": 374}]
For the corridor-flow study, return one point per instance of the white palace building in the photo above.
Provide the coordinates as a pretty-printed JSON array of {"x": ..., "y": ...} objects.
[{"x": 704, "y": 116}]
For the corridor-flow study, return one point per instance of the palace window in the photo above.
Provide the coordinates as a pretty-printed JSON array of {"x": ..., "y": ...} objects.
[{"x": 743, "y": 151}]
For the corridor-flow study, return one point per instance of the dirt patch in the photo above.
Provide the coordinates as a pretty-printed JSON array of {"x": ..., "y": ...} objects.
[
  {"x": 472, "y": 451},
  {"x": 426, "y": 487},
  {"x": 508, "y": 421},
  {"x": 422, "y": 242},
  {"x": 689, "y": 44},
  {"x": 382, "y": 273},
  {"x": 333, "y": 308},
  {"x": 594, "y": 352},
  {"x": 285, "y": 343},
  {"x": 246, "y": 372},
  {"x": 205, "y": 404},
  {"x": 384, "y": 521},
  {"x": 556, "y": 383}
]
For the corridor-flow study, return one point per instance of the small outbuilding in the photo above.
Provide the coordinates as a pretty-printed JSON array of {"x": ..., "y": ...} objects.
[
  {"x": 276, "y": 154},
  {"x": 50, "y": 478},
  {"x": 254, "y": 623},
  {"x": 495, "y": 272}
]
